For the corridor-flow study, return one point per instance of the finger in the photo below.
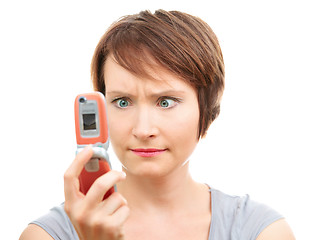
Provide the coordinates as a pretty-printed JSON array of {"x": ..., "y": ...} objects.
[
  {"x": 111, "y": 224},
  {"x": 102, "y": 184},
  {"x": 81, "y": 159},
  {"x": 71, "y": 182},
  {"x": 117, "y": 220},
  {"x": 112, "y": 203},
  {"x": 121, "y": 215}
]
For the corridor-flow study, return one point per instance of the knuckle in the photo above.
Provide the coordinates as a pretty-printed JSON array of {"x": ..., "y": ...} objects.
[
  {"x": 126, "y": 210},
  {"x": 67, "y": 176},
  {"x": 77, "y": 215},
  {"x": 97, "y": 223},
  {"x": 123, "y": 200},
  {"x": 99, "y": 184},
  {"x": 118, "y": 195},
  {"x": 115, "y": 230},
  {"x": 81, "y": 220},
  {"x": 119, "y": 199}
]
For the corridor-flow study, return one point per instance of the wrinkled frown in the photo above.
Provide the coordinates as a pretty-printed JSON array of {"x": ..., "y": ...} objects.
[{"x": 153, "y": 123}]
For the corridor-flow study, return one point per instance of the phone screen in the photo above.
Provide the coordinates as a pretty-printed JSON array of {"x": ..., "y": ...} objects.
[{"x": 89, "y": 121}]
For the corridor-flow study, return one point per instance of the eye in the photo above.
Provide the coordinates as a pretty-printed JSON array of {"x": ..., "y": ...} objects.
[
  {"x": 168, "y": 102},
  {"x": 121, "y": 102}
]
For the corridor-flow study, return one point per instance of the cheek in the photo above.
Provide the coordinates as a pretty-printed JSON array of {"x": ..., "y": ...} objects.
[
  {"x": 117, "y": 132},
  {"x": 183, "y": 131},
  {"x": 186, "y": 128}
]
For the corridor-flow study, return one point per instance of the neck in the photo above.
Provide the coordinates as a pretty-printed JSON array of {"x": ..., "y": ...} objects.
[{"x": 173, "y": 191}]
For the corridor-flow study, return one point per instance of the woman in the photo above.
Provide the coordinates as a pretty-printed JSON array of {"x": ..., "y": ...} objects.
[{"x": 163, "y": 77}]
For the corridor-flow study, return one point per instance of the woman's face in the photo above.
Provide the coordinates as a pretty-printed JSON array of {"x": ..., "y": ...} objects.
[{"x": 153, "y": 124}]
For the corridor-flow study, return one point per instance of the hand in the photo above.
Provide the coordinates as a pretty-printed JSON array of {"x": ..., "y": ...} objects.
[{"x": 92, "y": 217}]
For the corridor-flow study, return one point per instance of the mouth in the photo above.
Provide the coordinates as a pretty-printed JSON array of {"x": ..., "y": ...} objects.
[{"x": 147, "y": 152}]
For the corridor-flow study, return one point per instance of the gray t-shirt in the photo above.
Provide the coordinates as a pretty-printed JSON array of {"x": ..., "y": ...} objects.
[{"x": 233, "y": 218}]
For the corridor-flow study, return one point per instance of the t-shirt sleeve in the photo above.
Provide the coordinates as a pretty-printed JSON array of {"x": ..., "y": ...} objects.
[
  {"x": 57, "y": 224},
  {"x": 254, "y": 217}
]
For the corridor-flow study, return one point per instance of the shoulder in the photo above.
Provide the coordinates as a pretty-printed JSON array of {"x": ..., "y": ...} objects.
[
  {"x": 242, "y": 207},
  {"x": 33, "y": 232},
  {"x": 55, "y": 224},
  {"x": 240, "y": 216},
  {"x": 278, "y": 230}
]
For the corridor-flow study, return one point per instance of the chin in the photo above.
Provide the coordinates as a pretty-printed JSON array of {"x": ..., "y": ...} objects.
[{"x": 149, "y": 169}]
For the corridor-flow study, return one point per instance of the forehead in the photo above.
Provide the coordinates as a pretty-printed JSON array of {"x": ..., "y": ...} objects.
[{"x": 156, "y": 77}]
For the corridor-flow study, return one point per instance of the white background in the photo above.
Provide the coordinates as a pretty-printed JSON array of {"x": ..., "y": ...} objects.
[{"x": 274, "y": 139}]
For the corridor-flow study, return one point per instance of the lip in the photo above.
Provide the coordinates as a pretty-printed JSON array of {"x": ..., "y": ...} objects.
[{"x": 147, "y": 152}]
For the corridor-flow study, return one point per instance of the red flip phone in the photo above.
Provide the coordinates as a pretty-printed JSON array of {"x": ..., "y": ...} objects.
[{"x": 92, "y": 129}]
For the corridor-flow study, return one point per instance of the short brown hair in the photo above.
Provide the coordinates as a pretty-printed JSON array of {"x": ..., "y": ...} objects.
[{"x": 181, "y": 43}]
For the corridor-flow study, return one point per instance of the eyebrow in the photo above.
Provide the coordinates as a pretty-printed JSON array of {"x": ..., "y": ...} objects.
[
  {"x": 118, "y": 93},
  {"x": 155, "y": 94}
]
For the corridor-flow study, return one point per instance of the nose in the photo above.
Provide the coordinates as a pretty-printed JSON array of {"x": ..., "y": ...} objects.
[{"x": 144, "y": 124}]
